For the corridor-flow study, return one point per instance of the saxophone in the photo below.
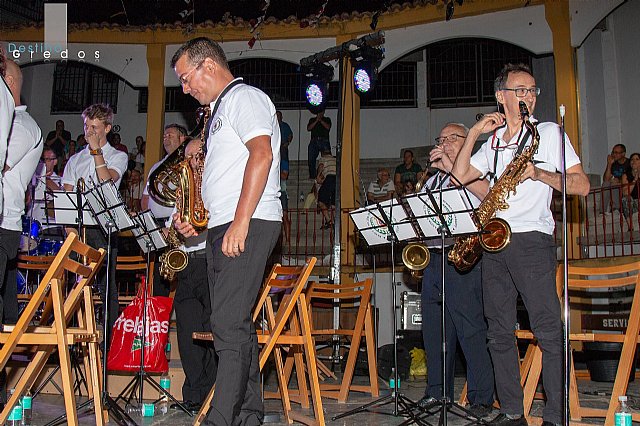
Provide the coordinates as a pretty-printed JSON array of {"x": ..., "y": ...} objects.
[
  {"x": 189, "y": 206},
  {"x": 496, "y": 232}
]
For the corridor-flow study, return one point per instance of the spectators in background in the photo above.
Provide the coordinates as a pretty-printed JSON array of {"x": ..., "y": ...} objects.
[
  {"x": 284, "y": 199},
  {"x": 81, "y": 142},
  {"x": 58, "y": 139},
  {"x": 408, "y": 170},
  {"x": 319, "y": 127},
  {"x": 630, "y": 187},
  {"x": 138, "y": 154},
  {"x": 327, "y": 192},
  {"x": 286, "y": 136},
  {"x": 133, "y": 191},
  {"x": 116, "y": 142},
  {"x": 617, "y": 166},
  {"x": 382, "y": 189}
]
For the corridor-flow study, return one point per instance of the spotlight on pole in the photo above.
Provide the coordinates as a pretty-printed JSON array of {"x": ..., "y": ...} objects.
[
  {"x": 317, "y": 88},
  {"x": 366, "y": 61}
]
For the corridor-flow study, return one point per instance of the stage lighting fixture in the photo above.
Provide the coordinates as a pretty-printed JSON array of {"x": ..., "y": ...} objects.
[
  {"x": 316, "y": 90},
  {"x": 366, "y": 63}
]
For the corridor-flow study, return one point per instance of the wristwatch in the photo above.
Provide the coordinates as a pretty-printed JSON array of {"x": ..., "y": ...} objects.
[{"x": 97, "y": 151}]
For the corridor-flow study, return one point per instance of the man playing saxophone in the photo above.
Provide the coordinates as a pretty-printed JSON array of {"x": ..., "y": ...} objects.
[
  {"x": 193, "y": 311},
  {"x": 528, "y": 264}
]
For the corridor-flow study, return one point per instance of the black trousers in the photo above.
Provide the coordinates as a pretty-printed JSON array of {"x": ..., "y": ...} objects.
[
  {"x": 464, "y": 322},
  {"x": 192, "y": 306},
  {"x": 9, "y": 243},
  {"x": 234, "y": 284},
  {"x": 528, "y": 267},
  {"x": 96, "y": 239}
]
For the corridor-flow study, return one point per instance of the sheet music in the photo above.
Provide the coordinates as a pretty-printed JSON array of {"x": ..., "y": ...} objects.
[
  {"x": 456, "y": 213},
  {"x": 65, "y": 209},
  {"x": 371, "y": 223},
  {"x": 148, "y": 235},
  {"x": 106, "y": 204}
]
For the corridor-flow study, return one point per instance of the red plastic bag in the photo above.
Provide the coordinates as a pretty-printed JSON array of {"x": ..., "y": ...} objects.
[{"x": 126, "y": 343}]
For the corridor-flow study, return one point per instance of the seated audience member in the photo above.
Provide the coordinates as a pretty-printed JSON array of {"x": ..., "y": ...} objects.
[
  {"x": 408, "y": 187},
  {"x": 81, "y": 142},
  {"x": 43, "y": 182},
  {"x": 630, "y": 186},
  {"x": 617, "y": 165},
  {"x": 327, "y": 193},
  {"x": 407, "y": 170},
  {"x": 138, "y": 154},
  {"x": 381, "y": 189},
  {"x": 116, "y": 142},
  {"x": 135, "y": 188}
]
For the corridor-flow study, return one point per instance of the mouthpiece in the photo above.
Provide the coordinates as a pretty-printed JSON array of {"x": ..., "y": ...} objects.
[
  {"x": 524, "y": 111},
  {"x": 562, "y": 110}
]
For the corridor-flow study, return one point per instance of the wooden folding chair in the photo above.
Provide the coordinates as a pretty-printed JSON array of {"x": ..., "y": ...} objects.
[
  {"x": 288, "y": 327},
  {"x": 47, "y": 338},
  {"x": 348, "y": 295},
  {"x": 135, "y": 263}
]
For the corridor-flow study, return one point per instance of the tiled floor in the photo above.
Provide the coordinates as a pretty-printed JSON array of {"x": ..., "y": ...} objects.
[{"x": 47, "y": 407}]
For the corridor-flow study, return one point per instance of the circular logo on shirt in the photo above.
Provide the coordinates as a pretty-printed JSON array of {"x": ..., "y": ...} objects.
[{"x": 216, "y": 126}]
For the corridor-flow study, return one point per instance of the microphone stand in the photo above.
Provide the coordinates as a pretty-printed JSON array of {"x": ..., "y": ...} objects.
[{"x": 565, "y": 270}]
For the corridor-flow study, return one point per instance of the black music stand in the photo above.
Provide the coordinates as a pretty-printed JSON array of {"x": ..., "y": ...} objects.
[
  {"x": 382, "y": 223},
  {"x": 443, "y": 213},
  {"x": 150, "y": 238}
]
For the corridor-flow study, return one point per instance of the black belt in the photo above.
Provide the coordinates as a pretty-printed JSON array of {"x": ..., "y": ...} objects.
[
  {"x": 198, "y": 254},
  {"x": 161, "y": 220}
]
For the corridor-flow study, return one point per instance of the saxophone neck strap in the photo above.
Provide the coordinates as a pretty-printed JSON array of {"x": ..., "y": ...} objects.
[
  {"x": 523, "y": 142},
  {"x": 226, "y": 90}
]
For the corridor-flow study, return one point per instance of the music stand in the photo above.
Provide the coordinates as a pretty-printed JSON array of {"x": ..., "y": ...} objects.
[
  {"x": 150, "y": 238},
  {"x": 382, "y": 223},
  {"x": 444, "y": 213}
]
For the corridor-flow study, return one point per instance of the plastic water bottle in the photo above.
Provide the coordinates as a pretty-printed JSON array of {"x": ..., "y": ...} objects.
[
  {"x": 27, "y": 399},
  {"x": 392, "y": 380},
  {"x": 623, "y": 415},
  {"x": 167, "y": 351},
  {"x": 15, "y": 416},
  {"x": 163, "y": 404},
  {"x": 143, "y": 410}
]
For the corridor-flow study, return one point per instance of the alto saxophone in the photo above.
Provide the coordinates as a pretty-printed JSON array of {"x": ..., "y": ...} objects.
[
  {"x": 496, "y": 232},
  {"x": 189, "y": 206}
]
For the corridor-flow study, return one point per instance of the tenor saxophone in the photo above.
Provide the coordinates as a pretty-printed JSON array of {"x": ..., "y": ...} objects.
[
  {"x": 189, "y": 206},
  {"x": 496, "y": 232}
]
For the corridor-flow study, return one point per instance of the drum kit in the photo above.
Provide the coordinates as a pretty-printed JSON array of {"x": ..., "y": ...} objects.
[{"x": 31, "y": 242}]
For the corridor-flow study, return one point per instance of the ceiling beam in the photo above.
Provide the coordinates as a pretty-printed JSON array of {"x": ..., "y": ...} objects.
[{"x": 169, "y": 34}]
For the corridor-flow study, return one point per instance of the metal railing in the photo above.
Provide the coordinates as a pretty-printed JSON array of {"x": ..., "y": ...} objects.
[{"x": 605, "y": 223}]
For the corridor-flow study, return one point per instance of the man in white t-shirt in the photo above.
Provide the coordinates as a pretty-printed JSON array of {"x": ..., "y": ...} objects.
[
  {"x": 26, "y": 145},
  {"x": 464, "y": 317},
  {"x": 527, "y": 266},
  {"x": 240, "y": 189},
  {"x": 381, "y": 189},
  {"x": 173, "y": 137},
  {"x": 99, "y": 162},
  {"x": 7, "y": 107}
]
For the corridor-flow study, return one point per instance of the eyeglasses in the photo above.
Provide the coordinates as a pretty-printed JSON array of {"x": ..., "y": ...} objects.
[
  {"x": 184, "y": 79},
  {"x": 49, "y": 159},
  {"x": 521, "y": 92},
  {"x": 448, "y": 138}
]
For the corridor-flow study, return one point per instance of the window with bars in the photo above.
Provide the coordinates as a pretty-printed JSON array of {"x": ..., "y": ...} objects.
[
  {"x": 461, "y": 72},
  {"x": 77, "y": 85}
]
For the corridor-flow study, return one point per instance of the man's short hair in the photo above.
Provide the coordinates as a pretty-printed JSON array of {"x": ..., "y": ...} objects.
[
  {"x": 409, "y": 151},
  {"x": 100, "y": 112},
  {"x": 179, "y": 128},
  {"x": 503, "y": 75},
  {"x": 199, "y": 49},
  {"x": 464, "y": 128},
  {"x": 620, "y": 145}
]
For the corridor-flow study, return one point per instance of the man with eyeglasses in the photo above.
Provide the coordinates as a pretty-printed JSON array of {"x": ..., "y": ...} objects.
[
  {"x": 527, "y": 266},
  {"x": 464, "y": 317},
  {"x": 44, "y": 180},
  {"x": 241, "y": 191},
  {"x": 617, "y": 165}
]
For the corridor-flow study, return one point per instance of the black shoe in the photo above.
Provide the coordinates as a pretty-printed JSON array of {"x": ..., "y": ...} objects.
[
  {"x": 192, "y": 407},
  {"x": 503, "y": 420},
  {"x": 427, "y": 402},
  {"x": 480, "y": 410}
]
